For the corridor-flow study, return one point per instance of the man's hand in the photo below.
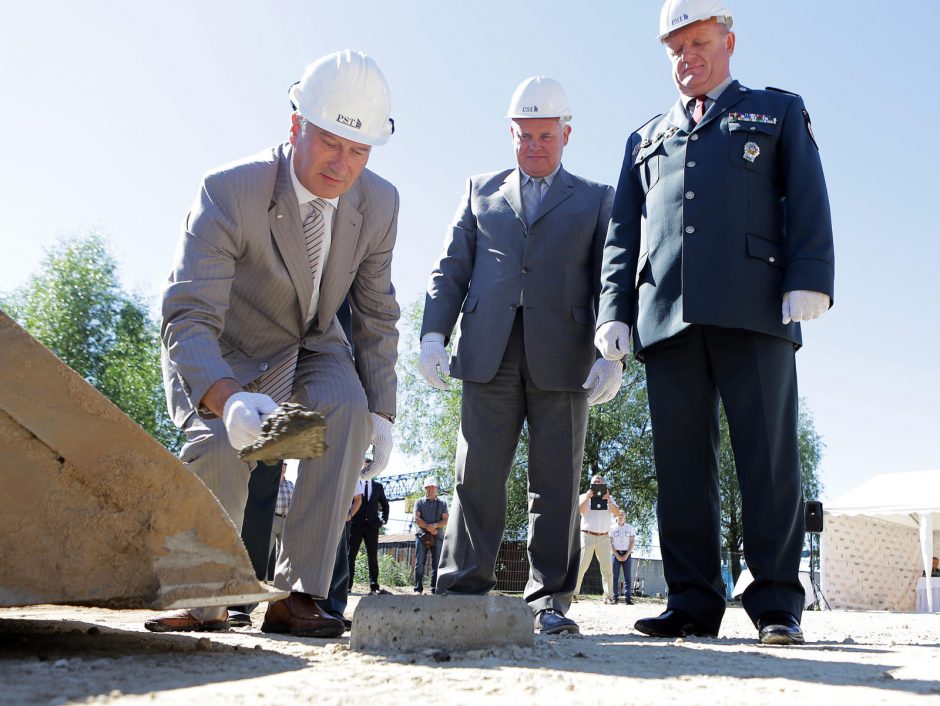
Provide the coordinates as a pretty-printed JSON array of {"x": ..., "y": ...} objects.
[
  {"x": 243, "y": 415},
  {"x": 604, "y": 380},
  {"x": 613, "y": 340},
  {"x": 381, "y": 447},
  {"x": 803, "y": 305},
  {"x": 434, "y": 356}
]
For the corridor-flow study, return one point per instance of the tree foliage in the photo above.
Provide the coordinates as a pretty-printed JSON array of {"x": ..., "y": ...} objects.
[{"x": 75, "y": 306}]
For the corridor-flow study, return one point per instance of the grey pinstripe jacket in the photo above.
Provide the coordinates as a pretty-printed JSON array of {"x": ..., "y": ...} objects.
[{"x": 236, "y": 299}]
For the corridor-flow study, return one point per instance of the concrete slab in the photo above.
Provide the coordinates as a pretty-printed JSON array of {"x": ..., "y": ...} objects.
[{"x": 452, "y": 623}]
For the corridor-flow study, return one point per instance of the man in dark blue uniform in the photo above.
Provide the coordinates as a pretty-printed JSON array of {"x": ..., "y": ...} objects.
[{"x": 720, "y": 242}]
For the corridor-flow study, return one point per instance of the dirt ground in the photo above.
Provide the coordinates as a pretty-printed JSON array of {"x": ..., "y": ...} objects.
[{"x": 54, "y": 655}]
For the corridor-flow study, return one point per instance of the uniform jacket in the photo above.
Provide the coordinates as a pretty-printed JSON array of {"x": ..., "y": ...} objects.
[
  {"x": 491, "y": 256},
  {"x": 236, "y": 299},
  {"x": 712, "y": 225},
  {"x": 369, "y": 511}
]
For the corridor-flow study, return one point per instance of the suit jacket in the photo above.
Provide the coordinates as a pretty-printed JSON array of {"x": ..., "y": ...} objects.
[
  {"x": 491, "y": 256},
  {"x": 712, "y": 225},
  {"x": 368, "y": 512},
  {"x": 236, "y": 300}
]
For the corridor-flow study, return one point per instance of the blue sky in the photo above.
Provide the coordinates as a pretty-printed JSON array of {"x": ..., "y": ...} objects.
[{"x": 113, "y": 111}]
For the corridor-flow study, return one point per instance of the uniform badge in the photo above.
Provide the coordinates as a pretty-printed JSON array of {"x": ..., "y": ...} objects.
[
  {"x": 809, "y": 127},
  {"x": 751, "y": 151},
  {"x": 751, "y": 118}
]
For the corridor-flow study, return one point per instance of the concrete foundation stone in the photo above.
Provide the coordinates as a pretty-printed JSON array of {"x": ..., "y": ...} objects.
[{"x": 453, "y": 623}]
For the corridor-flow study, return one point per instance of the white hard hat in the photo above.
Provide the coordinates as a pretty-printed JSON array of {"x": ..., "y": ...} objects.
[
  {"x": 345, "y": 93},
  {"x": 679, "y": 13},
  {"x": 429, "y": 481},
  {"x": 539, "y": 97}
]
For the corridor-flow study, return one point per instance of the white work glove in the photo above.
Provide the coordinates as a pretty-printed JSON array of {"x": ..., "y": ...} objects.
[
  {"x": 803, "y": 305},
  {"x": 381, "y": 447},
  {"x": 434, "y": 356},
  {"x": 603, "y": 382},
  {"x": 243, "y": 414},
  {"x": 613, "y": 340}
]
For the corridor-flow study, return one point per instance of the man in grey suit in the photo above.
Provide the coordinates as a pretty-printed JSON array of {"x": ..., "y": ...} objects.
[
  {"x": 271, "y": 247},
  {"x": 521, "y": 269}
]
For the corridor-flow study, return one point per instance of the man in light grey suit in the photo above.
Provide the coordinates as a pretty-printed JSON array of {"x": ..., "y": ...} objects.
[
  {"x": 270, "y": 249},
  {"x": 521, "y": 270}
]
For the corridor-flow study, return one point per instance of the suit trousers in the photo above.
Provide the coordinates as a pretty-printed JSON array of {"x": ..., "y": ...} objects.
[
  {"x": 328, "y": 383},
  {"x": 491, "y": 421},
  {"x": 359, "y": 532},
  {"x": 335, "y": 602},
  {"x": 754, "y": 376},
  {"x": 593, "y": 545}
]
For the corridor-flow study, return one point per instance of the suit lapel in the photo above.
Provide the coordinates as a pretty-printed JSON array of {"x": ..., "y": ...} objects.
[
  {"x": 560, "y": 190},
  {"x": 286, "y": 228},
  {"x": 347, "y": 223},
  {"x": 512, "y": 192}
]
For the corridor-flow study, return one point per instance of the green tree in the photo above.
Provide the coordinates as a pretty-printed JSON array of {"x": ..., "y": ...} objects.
[
  {"x": 75, "y": 306},
  {"x": 732, "y": 526}
]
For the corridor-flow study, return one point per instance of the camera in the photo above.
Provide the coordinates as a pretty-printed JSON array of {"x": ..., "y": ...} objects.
[{"x": 597, "y": 501}]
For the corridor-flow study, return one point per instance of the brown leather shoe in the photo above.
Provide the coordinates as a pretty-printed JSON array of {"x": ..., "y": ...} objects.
[
  {"x": 299, "y": 615},
  {"x": 183, "y": 621}
]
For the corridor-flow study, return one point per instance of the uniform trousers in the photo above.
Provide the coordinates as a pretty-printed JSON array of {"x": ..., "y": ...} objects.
[
  {"x": 327, "y": 382},
  {"x": 754, "y": 376},
  {"x": 492, "y": 415}
]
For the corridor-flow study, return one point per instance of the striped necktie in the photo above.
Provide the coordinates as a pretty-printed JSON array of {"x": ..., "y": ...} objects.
[{"x": 278, "y": 382}]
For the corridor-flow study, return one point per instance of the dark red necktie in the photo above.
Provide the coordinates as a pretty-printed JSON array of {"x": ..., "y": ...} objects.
[{"x": 698, "y": 111}]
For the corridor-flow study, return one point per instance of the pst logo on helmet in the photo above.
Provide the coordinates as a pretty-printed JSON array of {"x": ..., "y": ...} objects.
[
  {"x": 680, "y": 18},
  {"x": 529, "y": 109},
  {"x": 351, "y": 122}
]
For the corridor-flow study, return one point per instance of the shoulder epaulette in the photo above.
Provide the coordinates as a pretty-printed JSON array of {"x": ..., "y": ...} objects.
[{"x": 783, "y": 90}]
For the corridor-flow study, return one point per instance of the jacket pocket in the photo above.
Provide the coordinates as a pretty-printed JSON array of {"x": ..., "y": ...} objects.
[
  {"x": 583, "y": 315},
  {"x": 769, "y": 252},
  {"x": 752, "y": 145}
]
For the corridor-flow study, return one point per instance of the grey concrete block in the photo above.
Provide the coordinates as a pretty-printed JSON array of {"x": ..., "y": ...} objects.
[{"x": 448, "y": 622}]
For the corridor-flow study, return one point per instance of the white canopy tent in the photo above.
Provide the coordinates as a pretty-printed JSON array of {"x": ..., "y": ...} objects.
[{"x": 910, "y": 500}]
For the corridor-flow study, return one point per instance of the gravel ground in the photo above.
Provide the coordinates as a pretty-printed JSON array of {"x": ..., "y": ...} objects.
[{"x": 65, "y": 655}]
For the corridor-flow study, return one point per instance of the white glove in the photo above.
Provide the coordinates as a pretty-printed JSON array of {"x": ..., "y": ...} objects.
[
  {"x": 613, "y": 340},
  {"x": 803, "y": 305},
  {"x": 603, "y": 382},
  {"x": 243, "y": 415},
  {"x": 381, "y": 447},
  {"x": 434, "y": 356}
]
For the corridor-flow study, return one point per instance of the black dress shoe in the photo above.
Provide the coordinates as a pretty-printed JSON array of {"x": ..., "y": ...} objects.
[
  {"x": 673, "y": 623},
  {"x": 551, "y": 622},
  {"x": 776, "y": 627}
]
